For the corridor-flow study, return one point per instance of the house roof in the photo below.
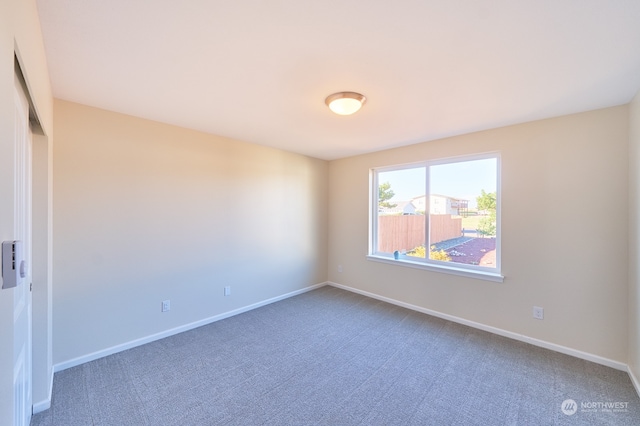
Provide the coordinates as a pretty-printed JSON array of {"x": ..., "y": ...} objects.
[
  {"x": 259, "y": 71},
  {"x": 449, "y": 197}
]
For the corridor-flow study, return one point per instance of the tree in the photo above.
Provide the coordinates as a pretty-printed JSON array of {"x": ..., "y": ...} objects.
[
  {"x": 487, "y": 202},
  {"x": 385, "y": 193}
]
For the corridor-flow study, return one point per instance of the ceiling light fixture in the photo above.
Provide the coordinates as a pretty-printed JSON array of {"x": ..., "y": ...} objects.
[{"x": 345, "y": 103}]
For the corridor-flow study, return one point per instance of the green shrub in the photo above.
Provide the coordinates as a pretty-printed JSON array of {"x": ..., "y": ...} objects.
[{"x": 487, "y": 226}]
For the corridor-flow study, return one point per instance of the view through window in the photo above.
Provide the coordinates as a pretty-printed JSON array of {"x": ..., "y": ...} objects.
[{"x": 437, "y": 212}]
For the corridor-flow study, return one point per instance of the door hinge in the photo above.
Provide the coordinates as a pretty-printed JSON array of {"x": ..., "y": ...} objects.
[{"x": 31, "y": 287}]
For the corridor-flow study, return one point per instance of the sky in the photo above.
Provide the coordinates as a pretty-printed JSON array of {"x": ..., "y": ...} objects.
[{"x": 459, "y": 180}]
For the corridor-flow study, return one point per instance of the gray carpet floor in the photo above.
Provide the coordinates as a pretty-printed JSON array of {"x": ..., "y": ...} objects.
[{"x": 331, "y": 357}]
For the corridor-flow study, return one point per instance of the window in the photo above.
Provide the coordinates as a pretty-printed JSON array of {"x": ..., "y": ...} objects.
[{"x": 440, "y": 215}]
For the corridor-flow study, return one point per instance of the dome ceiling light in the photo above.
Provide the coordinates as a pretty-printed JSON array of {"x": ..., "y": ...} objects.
[{"x": 345, "y": 103}]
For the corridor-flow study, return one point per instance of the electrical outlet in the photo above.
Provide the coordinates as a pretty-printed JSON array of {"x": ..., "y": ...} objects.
[
  {"x": 340, "y": 268},
  {"x": 227, "y": 290},
  {"x": 538, "y": 312},
  {"x": 166, "y": 305}
]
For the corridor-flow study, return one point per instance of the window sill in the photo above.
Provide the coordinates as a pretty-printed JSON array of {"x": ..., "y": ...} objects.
[{"x": 404, "y": 261}]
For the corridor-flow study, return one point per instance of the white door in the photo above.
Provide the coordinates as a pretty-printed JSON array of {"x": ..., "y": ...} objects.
[{"x": 22, "y": 292}]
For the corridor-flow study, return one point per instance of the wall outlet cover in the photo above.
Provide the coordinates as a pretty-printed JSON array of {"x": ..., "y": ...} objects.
[{"x": 538, "y": 312}]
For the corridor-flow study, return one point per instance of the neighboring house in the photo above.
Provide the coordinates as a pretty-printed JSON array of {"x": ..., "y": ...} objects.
[
  {"x": 401, "y": 208},
  {"x": 441, "y": 204}
]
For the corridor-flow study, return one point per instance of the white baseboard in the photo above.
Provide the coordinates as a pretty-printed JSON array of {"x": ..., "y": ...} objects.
[
  {"x": 634, "y": 380},
  {"x": 41, "y": 406},
  {"x": 132, "y": 344},
  {"x": 516, "y": 336}
]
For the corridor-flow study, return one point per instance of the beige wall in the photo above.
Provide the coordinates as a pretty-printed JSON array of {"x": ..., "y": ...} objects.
[
  {"x": 634, "y": 237},
  {"x": 564, "y": 227},
  {"x": 145, "y": 212},
  {"x": 20, "y": 32}
]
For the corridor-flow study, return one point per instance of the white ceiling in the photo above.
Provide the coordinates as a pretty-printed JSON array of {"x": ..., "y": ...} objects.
[{"x": 259, "y": 70}]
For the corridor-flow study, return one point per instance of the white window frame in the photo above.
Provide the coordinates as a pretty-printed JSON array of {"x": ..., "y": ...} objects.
[{"x": 473, "y": 271}]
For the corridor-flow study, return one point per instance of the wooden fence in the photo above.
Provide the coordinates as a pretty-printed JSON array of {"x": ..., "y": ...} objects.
[{"x": 407, "y": 232}]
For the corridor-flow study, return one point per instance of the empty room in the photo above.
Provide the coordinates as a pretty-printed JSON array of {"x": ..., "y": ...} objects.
[{"x": 320, "y": 213}]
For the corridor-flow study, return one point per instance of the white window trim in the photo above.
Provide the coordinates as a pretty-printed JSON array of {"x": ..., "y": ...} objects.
[
  {"x": 471, "y": 271},
  {"x": 405, "y": 261}
]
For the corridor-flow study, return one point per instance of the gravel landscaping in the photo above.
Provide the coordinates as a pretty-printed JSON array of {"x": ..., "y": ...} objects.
[{"x": 471, "y": 251}]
